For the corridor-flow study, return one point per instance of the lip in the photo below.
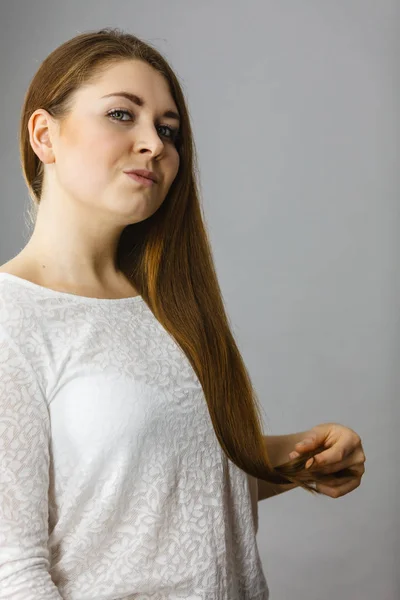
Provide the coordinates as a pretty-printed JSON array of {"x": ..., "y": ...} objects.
[
  {"x": 143, "y": 173},
  {"x": 143, "y": 180}
]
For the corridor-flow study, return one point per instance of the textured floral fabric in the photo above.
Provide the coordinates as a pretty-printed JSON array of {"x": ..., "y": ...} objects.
[{"x": 113, "y": 485}]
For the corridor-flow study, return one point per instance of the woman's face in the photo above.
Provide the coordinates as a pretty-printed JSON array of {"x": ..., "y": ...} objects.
[{"x": 106, "y": 134}]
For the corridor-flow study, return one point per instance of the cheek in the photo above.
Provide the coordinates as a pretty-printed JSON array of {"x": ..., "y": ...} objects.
[
  {"x": 82, "y": 174},
  {"x": 88, "y": 159},
  {"x": 174, "y": 168}
]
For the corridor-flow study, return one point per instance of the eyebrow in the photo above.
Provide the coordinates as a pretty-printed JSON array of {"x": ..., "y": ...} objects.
[{"x": 171, "y": 114}]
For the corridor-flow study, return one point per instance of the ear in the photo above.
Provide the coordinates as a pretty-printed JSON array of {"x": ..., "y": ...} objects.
[{"x": 41, "y": 131}]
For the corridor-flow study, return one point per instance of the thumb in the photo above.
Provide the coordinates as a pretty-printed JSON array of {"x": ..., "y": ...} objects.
[
  {"x": 309, "y": 443},
  {"x": 310, "y": 440}
]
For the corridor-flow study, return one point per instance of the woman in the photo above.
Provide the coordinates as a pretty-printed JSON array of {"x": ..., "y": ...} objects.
[{"x": 130, "y": 434}]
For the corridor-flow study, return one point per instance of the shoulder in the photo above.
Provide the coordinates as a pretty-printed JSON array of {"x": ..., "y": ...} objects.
[
  {"x": 21, "y": 321},
  {"x": 15, "y": 300},
  {"x": 17, "y": 267}
]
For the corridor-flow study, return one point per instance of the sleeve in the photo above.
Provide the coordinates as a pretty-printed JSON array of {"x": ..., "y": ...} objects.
[{"x": 24, "y": 479}]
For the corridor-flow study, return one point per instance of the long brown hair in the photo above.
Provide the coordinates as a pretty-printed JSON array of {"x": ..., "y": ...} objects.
[{"x": 167, "y": 257}]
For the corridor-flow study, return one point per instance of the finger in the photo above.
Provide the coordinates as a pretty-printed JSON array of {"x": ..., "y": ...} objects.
[
  {"x": 335, "y": 482},
  {"x": 332, "y": 456},
  {"x": 293, "y": 455},
  {"x": 336, "y": 492},
  {"x": 305, "y": 444},
  {"x": 336, "y": 466}
]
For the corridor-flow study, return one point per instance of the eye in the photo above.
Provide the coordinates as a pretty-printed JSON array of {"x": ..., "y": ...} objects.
[
  {"x": 118, "y": 111},
  {"x": 172, "y": 134}
]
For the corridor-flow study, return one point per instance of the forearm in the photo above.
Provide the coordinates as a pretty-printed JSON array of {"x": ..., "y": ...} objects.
[{"x": 278, "y": 448}]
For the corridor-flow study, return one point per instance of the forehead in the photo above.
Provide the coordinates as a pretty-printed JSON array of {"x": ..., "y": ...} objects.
[{"x": 134, "y": 76}]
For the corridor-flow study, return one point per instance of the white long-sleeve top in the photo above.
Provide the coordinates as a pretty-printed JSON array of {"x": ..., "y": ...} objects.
[{"x": 113, "y": 485}]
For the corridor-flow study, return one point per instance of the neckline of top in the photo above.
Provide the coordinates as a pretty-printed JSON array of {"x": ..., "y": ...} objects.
[{"x": 68, "y": 295}]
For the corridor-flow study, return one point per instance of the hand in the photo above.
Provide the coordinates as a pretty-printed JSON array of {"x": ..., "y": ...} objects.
[{"x": 343, "y": 452}]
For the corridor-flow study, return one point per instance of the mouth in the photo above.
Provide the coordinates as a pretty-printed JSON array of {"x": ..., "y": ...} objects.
[
  {"x": 142, "y": 180},
  {"x": 144, "y": 173}
]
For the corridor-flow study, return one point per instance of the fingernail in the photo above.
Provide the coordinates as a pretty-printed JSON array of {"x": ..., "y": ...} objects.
[
  {"x": 309, "y": 463},
  {"x": 305, "y": 442}
]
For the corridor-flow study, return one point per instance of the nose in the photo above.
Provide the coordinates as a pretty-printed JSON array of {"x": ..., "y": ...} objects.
[{"x": 147, "y": 139}]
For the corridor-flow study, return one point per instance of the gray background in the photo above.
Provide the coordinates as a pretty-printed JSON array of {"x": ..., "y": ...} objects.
[{"x": 295, "y": 114}]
